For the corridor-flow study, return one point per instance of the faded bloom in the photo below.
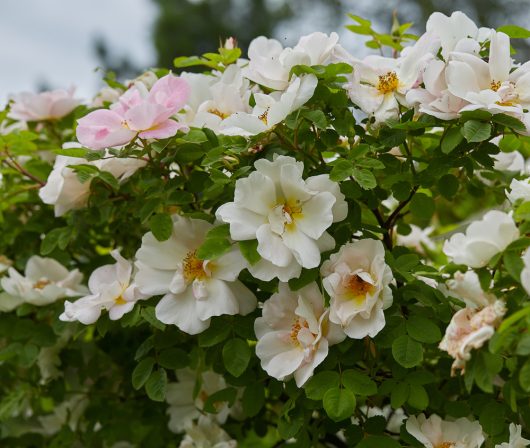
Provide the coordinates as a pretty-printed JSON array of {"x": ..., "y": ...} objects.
[
  {"x": 43, "y": 106},
  {"x": 466, "y": 286},
  {"x": 138, "y": 113},
  {"x": 66, "y": 192},
  {"x": 195, "y": 290},
  {"x": 206, "y": 434},
  {"x": 470, "y": 328},
  {"x": 516, "y": 439},
  {"x": 357, "y": 280},
  {"x": 418, "y": 239},
  {"x": 483, "y": 239},
  {"x": 294, "y": 333},
  {"x": 286, "y": 214},
  {"x": 183, "y": 407},
  {"x": 45, "y": 280},
  {"x": 433, "y": 432},
  {"x": 111, "y": 288}
]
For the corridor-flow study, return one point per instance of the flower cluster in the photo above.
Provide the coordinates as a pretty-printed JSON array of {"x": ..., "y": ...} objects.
[{"x": 298, "y": 246}]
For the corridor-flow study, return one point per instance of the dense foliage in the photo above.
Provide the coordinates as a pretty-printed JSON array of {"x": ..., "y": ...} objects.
[{"x": 277, "y": 251}]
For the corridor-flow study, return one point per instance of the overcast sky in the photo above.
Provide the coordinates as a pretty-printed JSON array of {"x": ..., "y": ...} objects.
[{"x": 52, "y": 41}]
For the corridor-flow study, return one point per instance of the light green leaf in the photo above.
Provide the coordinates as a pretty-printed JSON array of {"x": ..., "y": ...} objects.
[{"x": 339, "y": 404}]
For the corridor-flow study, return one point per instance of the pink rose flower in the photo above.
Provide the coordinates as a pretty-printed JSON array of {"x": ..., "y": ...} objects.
[
  {"x": 137, "y": 113},
  {"x": 43, "y": 106}
]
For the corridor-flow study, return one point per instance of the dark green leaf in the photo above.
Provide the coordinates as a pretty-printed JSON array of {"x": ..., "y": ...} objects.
[
  {"x": 161, "y": 225},
  {"x": 339, "y": 404},
  {"x": 156, "y": 385},
  {"x": 142, "y": 372},
  {"x": 407, "y": 352},
  {"x": 236, "y": 355},
  {"x": 320, "y": 383},
  {"x": 476, "y": 131}
]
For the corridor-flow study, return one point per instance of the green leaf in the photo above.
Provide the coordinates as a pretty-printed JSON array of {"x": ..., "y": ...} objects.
[
  {"x": 156, "y": 385},
  {"x": 306, "y": 277},
  {"x": 236, "y": 355},
  {"x": 319, "y": 384},
  {"x": 492, "y": 418},
  {"x": 253, "y": 399},
  {"x": 216, "y": 333},
  {"x": 215, "y": 244},
  {"x": 418, "y": 397},
  {"x": 378, "y": 442},
  {"x": 423, "y": 330},
  {"x": 149, "y": 314},
  {"x": 399, "y": 395},
  {"x": 451, "y": 140},
  {"x": 173, "y": 358},
  {"x": 109, "y": 179},
  {"x": 407, "y": 352},
  {"x": 523, "y": 346},
  {"x": 448, "y": 185},
  {"x": 524, "y": 376},
  {"x": 141, "y": 372},
  {"x": 476, "y": 131},
  {"x": 161, "y": 225},
  {"x": 249, "y": 250},
  {"x": 364, "y": 178},
  {"x": 342, "y": 169},
  {"x": 514, "y": 31},
  {"x": 513, "y": 264},
  {"x": 510, "y": 143},
  {"x": 509, "y": 122},
  {"x": 50, "y": 241},
  {"x": 422, "y": 206},
  {"x": 227, "y": 395},
  {"x": 339, "y": 404},
  {"x": 369, "y": 163},
  {"x": 359, "y": 383}
]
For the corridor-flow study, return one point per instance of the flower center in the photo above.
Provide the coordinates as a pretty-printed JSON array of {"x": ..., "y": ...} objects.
[
  {"x": 41, "y": 284},
  {"x": 445, "y": 445},
  {"x": 495, "y": 85},
  {"x": 358, "y": 288},
  {"x": 295, "y": 329},
  {"x": 264, "y": 115},
  {"x": 217, "y": 112},
  {"x": 388, "y": 82},
  {"x": 193, "y": 267},
  {"x": 120, "y": 300}
]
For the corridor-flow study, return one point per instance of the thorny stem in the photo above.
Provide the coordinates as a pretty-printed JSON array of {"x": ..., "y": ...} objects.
[{"x": 12, "y": 163}]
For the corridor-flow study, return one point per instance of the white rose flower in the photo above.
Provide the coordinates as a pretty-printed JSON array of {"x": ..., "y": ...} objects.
[
  {"x": 111, "y": 288},
  {"x": 417, "y": 239},
  {"x": 65, "y": 191},
  {"x": 394, "y": 417},
  {"x": 195, "y": 290},
  {"x": 357, "y": 280},
  {"x": 516, "y": 439},
  {"x": 483, "y": 239},
  {"x": 286, "y": 214},
  {"x": 45, "y": 281},
  {"x": 270, "y": 64},
  {"x": 43, "y": 106},
  {"x": 509, "y": 161},
  {"x": 525, "y": 273},
  {"x": 271, "y": 109},
  {"x": 467, "y": 288},
  {"x": 294, "y": 333},
  {"x": 206, "y": 434},
  {"x": 183, "y": 408},
  {"x": 519, "y": 190},
  {"x": 470, "y": 328},
  {"x": 433, "y": 432},
  {"x": 379, "y": 85}
]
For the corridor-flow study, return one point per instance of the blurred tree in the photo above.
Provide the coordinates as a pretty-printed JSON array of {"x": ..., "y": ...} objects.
[{"x": 192, "y": 27}]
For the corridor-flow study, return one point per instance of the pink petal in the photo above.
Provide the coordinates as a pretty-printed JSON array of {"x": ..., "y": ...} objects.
[
  {"x": 103, "y": 129},
  {"x": 171, "y": 92},
  {"x": 165, "y": 129}
]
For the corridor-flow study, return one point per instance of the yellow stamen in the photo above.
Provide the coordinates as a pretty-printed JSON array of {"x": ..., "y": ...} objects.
[
  {"x": 295, "y": 329},
  {"x": 217, "y": 112},
  {"x": 264, "y": 115},
  {"x": 41, "y": 284},
  {"x": 359, "y": 288},
  {"x": 388, "y": 82},
  {"x": 120, "y": 300},
  {"x": 193, "y": 267},
  {"x": 495, "y": 85},
  {"x": 445, "y": 445}
]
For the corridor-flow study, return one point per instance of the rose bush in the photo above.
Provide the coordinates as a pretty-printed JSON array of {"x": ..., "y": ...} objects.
[{"x": 298, "y": 248}]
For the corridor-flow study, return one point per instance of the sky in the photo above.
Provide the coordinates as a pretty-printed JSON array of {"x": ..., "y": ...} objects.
[{"x": 52, "y": 41}]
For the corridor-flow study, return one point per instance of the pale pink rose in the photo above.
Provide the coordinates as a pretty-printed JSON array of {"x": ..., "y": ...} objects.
[
  {"x": 137, "y": 113},
  {"x": 470, "y": 328},
  {"x": 43, "y": 106}
]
